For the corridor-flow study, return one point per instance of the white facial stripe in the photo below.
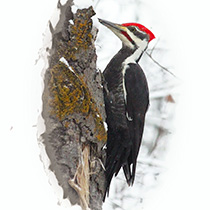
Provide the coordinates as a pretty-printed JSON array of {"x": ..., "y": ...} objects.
[
  {"x": 140, "y": 43},
  {"x": 143, "y": 32},
  {"x": 135, "y": 56},
  {"x": 126, "y": 41}
]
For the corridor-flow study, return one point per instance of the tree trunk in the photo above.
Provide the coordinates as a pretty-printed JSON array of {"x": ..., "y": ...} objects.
[{"x": 73, "y": 109}]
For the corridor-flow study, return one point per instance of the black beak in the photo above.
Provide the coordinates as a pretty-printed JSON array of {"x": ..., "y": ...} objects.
[{"x": 112, "y": 26}]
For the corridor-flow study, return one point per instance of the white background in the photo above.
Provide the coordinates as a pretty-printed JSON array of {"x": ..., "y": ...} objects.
[{"x": 23, "y": 182}]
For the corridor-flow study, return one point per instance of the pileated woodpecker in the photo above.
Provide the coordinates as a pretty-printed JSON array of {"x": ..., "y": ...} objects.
[{"x": 126, "y": 97}]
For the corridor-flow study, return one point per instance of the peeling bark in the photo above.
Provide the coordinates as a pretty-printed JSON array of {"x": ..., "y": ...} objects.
[{"x": 73, "y": 109}]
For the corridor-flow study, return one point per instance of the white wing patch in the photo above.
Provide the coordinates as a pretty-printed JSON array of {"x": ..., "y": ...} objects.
[
  {"x": 128, "y": 117},
  {"x": 131, "y": 59},
  {"x": 124, "y": 90}
]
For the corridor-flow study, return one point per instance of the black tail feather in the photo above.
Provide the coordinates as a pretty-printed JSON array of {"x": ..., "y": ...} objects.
[
  {"x": 127, "y": 173},
  {"x": 122, "y": 151},
  {"x": 118, "y": 152}
]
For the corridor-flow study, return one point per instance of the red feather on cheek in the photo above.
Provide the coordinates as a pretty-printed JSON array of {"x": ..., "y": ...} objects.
[{"x": 127, "y": 36}]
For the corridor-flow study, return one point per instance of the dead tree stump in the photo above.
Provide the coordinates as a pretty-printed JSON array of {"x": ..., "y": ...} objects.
[{"x": 73, "y": 109}]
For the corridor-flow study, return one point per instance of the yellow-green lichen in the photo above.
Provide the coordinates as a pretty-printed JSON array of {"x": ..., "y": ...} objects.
[
  {"x": 101, "y": 134},
  {"x": 81, "y": 37},
  {"x": 69, "y": 95},
  {"x": 82, "y": 33}
]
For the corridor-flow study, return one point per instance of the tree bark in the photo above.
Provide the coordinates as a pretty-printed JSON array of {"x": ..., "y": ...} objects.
[{"x": 73, "y": 109}]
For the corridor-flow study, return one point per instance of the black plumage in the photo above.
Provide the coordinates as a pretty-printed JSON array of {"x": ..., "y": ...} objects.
[
  {"x": 125, "y": 119},
  {"x": 126, "y": 98}
]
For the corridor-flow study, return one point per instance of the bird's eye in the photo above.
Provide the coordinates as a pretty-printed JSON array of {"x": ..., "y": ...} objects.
[{"x": 133, "y": 29}]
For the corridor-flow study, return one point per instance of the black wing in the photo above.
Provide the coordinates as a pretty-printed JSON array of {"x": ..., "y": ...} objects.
[
  {"x": 119, "y": 144},
  {"x": 137, "y": 101}
]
